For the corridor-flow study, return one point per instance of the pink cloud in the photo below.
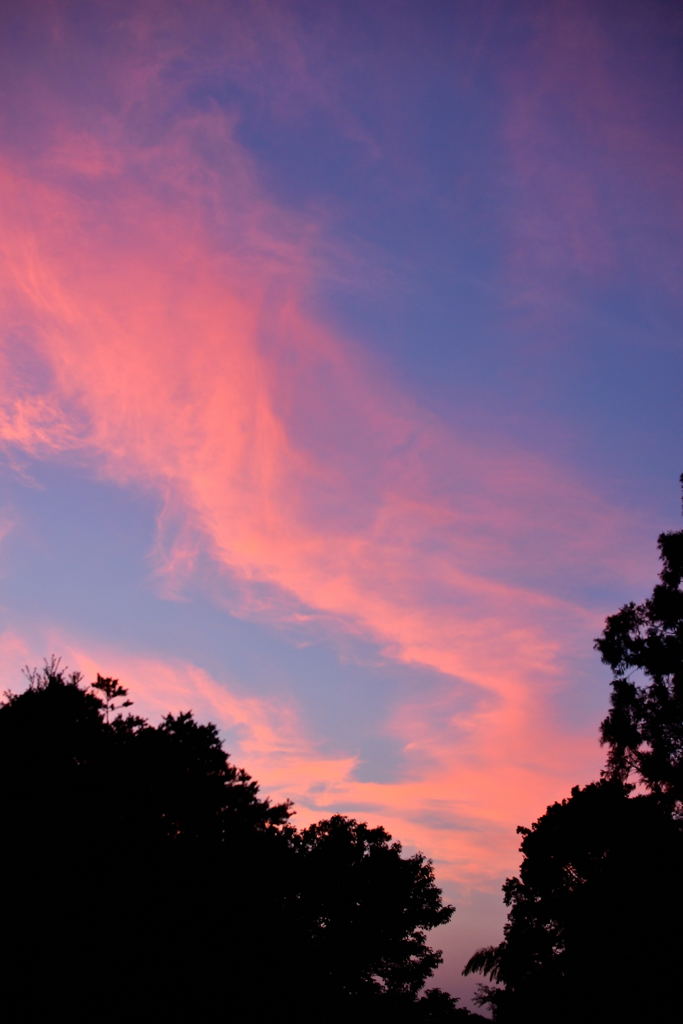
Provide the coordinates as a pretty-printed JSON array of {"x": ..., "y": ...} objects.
[
  {"x": 162, "y": 302},
  {"x": 182, "y": 359}
]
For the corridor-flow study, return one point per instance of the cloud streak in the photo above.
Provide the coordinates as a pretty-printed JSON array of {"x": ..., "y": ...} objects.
[
  {"x": 159, "y": 332},
  {"x": 195, "y": 371}
]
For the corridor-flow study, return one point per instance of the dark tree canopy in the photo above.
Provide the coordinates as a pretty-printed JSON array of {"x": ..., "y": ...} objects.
[
  {"x": 145, "y": 878},
  {"x": 643, "y": 645},
  {"x": 595, "y": 921},
  {"x": 370, "y": 925}
]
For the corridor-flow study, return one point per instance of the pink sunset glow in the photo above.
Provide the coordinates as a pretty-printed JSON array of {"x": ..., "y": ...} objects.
[{"x": 173, "y": 330}]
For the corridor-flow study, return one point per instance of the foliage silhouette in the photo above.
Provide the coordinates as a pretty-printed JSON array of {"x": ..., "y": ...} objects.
[
  {"x": 594, "y": 925},
  {"x": 368, "y": 929},
  {"x": 145, "y": 878},
  {"x": 595, "y": 922},
  {"x": 644, "y": 727}
]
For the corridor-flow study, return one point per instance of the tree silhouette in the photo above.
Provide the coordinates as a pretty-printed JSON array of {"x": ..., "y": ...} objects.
[
  {"x": 595, "y": 921},
  {"x": 438, "y": 1007},
  {"x": 369, "y": 928},
  {"x": 643, "y": 645},
  {"x": 145, "y": 878},
  {"x": 111, "y": 691},
  {"x": 594, "y": 925}
]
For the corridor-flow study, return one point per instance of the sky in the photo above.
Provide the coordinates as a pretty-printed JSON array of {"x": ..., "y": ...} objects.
[{"x": 340, "y": 373}]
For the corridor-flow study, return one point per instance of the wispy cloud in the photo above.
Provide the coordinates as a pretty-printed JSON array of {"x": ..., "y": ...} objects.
[
  {"x": 187, "y": 363},
  {"x": 158, "y": 332}
]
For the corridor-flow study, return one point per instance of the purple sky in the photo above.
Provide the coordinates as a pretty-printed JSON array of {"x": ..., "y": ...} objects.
[{"x": 340, "y": 383}]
